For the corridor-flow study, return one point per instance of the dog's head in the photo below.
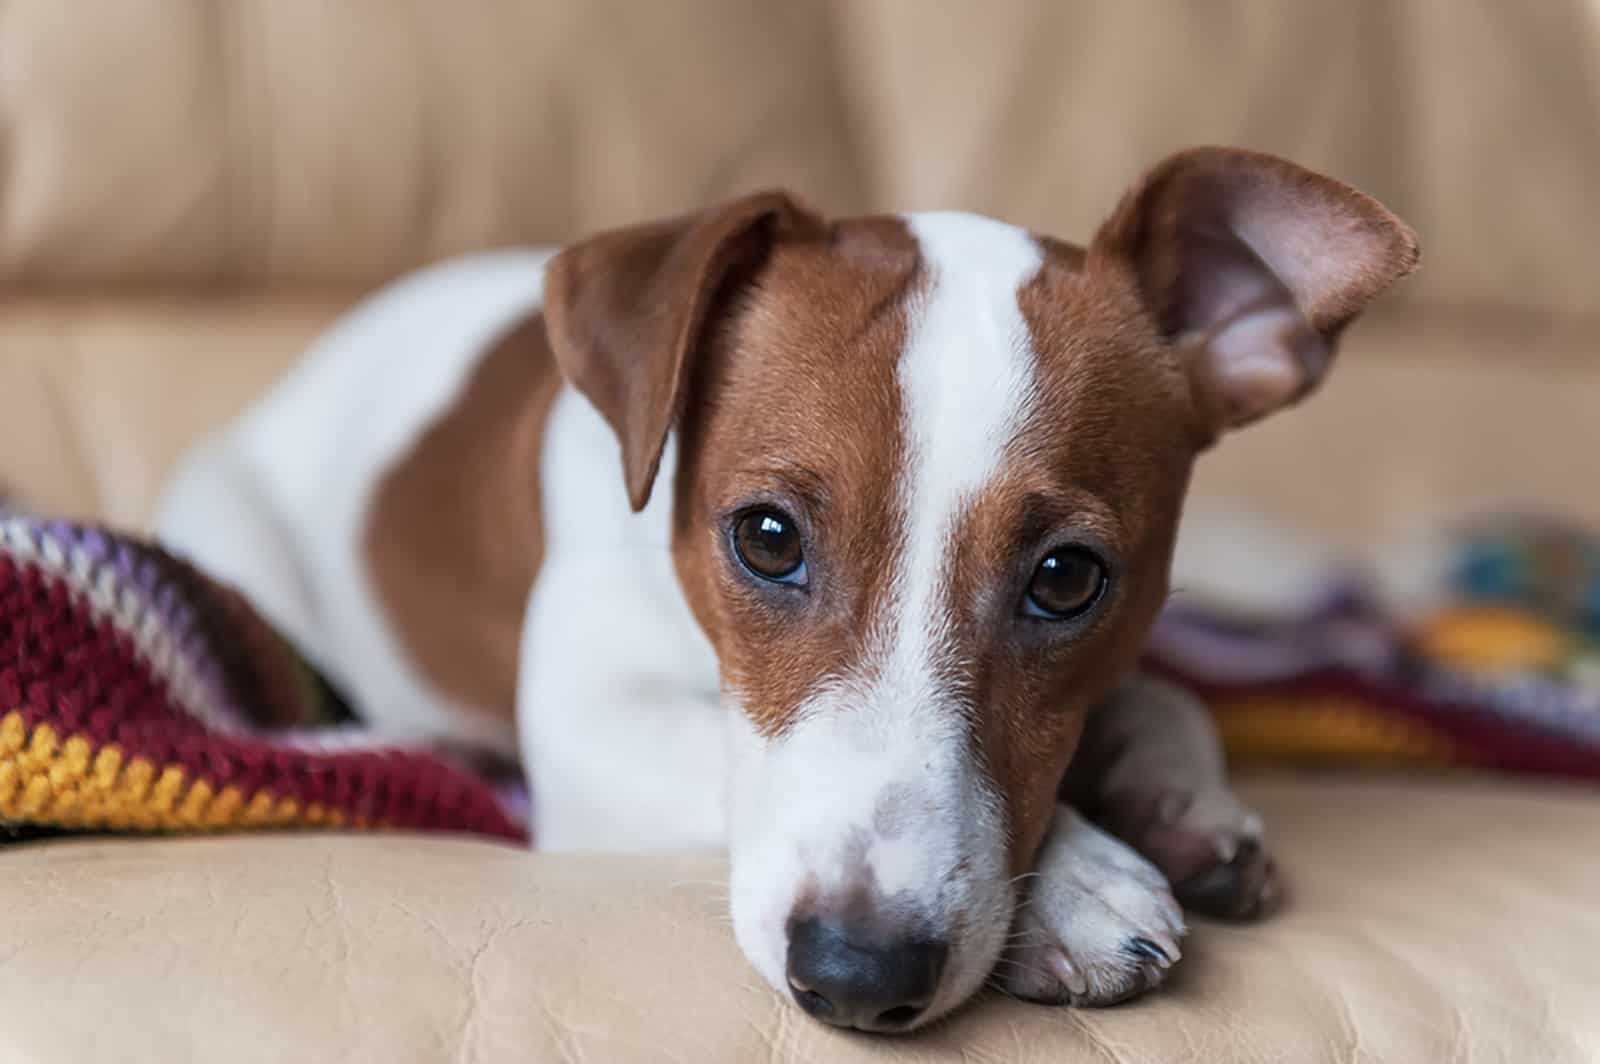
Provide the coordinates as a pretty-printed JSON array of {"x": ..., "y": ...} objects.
[{"x": 929, "y": 472}]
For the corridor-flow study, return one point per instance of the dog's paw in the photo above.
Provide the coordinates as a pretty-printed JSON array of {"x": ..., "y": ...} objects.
[
  {"x": 1099, "y": 924},
  {"x": 1209, "y": 847}
]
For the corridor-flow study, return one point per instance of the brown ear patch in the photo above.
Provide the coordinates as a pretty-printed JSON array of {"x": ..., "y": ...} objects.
[
  {"x": 1254, "y": 266},
  {"x": 454, "y": 539},
  {"x": 627, "y": 310}
]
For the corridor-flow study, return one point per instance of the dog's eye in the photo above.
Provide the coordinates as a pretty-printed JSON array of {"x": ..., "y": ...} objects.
[
  {"x": 1065, "y": 584},
  {"x": 768, "y": 543}
]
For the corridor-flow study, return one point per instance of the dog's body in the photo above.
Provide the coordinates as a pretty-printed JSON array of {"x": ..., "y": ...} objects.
[
  {"x": 913, "y": 520},
  {"x": 322, "y": 504}
]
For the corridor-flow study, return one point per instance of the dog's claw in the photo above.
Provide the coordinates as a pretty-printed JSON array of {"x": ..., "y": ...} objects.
[{"x": 1143, "y": 947}]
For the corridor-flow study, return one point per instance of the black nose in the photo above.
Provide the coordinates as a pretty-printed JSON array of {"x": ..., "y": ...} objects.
[{"x": 852, "y": 979}]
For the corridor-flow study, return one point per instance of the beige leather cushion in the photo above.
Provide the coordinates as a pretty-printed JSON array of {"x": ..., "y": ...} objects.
[
  {"x": 196, "y": 140},
  {"x": 1426, "y": 417},
  {"x": 1428, "y": 922},
  {"x": 204, "y": 139},
  {"x": 99, "y": 396}
]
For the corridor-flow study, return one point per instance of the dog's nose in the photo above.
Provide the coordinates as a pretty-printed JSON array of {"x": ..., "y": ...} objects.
[{"x": 852, "y": 980}]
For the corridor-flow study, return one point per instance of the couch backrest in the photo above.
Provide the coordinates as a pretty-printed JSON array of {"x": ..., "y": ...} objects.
[
  {"x": 1477, "y": 120},
  {"x": 258, "y": 140},
  {"x": 245, "y": 140}
]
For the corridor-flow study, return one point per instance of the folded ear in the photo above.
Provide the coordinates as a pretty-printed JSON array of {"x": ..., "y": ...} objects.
[
  {"x": 626, "y": 310},
  {"x": 1252, "y": 266}
]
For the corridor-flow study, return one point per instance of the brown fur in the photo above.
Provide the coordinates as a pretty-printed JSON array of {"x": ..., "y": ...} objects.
[
  {"x": 1312, "y": 246},
  {"x": 805, "y": 365},
  {"x": 454, "y": 538},
  {"x": 628, "y": 311}
]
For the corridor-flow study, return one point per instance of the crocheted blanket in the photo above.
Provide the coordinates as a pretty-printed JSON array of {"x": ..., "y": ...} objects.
[
  {"x": 1501, "y": 672},
  {"x": 137, "y": 694}
]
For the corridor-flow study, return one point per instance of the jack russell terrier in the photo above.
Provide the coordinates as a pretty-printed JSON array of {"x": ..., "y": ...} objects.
[{"x": 897, "y": 507}]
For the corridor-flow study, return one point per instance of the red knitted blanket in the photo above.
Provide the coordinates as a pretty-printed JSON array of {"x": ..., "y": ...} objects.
[{"x": 137, "y": 694}]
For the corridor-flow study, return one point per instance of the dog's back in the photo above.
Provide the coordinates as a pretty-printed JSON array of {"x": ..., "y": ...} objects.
[{"x": 279, "y": 503}]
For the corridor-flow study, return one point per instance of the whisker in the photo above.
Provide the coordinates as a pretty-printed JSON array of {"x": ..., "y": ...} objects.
[
  {"x": 1018, "y": 932},
  {"x": 1030, "y": 969},
  {"x": 993, "y": 983},
  {"x": 1019, "y": 964}
]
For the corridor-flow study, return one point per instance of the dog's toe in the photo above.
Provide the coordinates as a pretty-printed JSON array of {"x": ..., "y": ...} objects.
[
  {"x": 1209, "y": 846},
  {"x": 1083, "y": 970},
  {"x": 1242, "y": 888},
  {"x": 1099, "y": 927}
]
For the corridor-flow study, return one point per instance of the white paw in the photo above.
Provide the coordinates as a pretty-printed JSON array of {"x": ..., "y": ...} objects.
[{"x": 1098, "y": 925}]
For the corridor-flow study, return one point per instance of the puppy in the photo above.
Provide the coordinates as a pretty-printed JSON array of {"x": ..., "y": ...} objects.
[{"x": 896, "y": 508}]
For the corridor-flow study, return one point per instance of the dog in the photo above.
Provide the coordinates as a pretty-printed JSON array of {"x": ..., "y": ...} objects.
[{"x": 896, "y": 509}]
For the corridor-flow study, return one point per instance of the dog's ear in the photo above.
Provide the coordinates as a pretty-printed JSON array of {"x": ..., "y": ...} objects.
[
  {"x": 627, "y": 309},
  {"x": 1252, "y": 266}
]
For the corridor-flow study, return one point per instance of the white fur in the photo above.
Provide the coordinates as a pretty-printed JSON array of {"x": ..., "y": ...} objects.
[
  {"x": 1092, "y": 896},
  {"x": 890, "y": 745},
  {"x": 622, "y": 733}
]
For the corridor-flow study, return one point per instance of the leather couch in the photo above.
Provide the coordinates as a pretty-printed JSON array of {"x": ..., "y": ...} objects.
[{"x": 189, "y": 190}]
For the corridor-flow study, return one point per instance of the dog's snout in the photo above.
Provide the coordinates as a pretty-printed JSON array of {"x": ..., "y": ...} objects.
[{"x": 851, "y": 978}]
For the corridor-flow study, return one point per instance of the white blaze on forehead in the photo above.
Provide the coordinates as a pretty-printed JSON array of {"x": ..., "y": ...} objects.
[{"x": 966, "y": 381}]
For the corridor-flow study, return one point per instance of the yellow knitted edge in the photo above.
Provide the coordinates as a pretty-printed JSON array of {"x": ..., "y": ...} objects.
[
  {"x": 67, "y": 783},
  {"x": 1494, "y": 639},
  {"x": 1328, "y": 728}
]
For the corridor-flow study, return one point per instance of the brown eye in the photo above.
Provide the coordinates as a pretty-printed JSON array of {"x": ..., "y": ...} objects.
[
  {"x": 768, "y": 543},
  {"x": 1065, "y": 584}
]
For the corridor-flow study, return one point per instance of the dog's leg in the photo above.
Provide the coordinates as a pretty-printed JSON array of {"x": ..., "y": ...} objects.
[
  {"x": 1097, "y": 924},
  {"x": 1150, "y": 770}
]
